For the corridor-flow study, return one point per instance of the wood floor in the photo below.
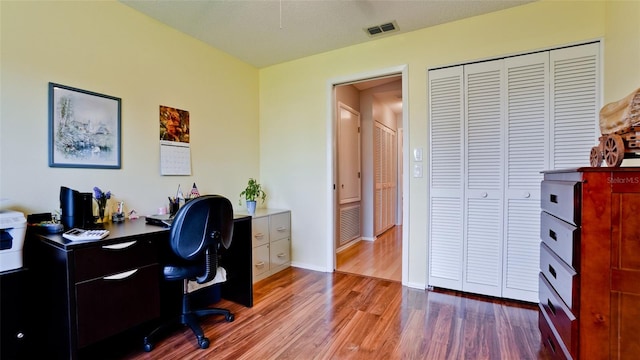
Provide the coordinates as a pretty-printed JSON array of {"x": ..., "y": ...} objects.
[
  {"x": 304, "y": 314},
  {"x": 381, "y": 258}
]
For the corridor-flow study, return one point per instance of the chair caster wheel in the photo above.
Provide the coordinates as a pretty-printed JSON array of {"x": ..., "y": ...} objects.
[
  {"x": 230, "y": 318},
  {"x": 203, "y": 343},
  {"x": 148, "y": 347}
]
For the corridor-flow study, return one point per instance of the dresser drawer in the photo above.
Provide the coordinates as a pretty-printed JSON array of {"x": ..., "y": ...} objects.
[
  {"x": 561, "y": 199},
  {"x": 561, "y": 276},
  {"x": 109, "y": 305},
  {"x": 550, "y": 340},
  {"x": 260, "y": 259},
  {"x": 260, "y": 231},
  {"x": 98, "y": 261},
  {"x": 561, "y": 317},
  {"x": 280, "y": 226},
  {"x": 280, "y": 252},
  {"x": 561, "y": 237}
]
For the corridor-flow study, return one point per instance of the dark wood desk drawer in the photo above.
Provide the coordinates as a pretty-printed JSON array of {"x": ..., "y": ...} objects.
[
  {"x": 561, "y": 276},
  {"x": 550, "y": 340},
  {"x": 107, "y": 306},
  {"x": 561, "y": 317},
  {"x": 561, "y": 199},
  {"x": 561, "y": 237},
  {"x": 98, "y": 261}
]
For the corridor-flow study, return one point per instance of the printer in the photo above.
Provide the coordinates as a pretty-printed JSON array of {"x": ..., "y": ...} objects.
[{"x": 13, "y": 227}]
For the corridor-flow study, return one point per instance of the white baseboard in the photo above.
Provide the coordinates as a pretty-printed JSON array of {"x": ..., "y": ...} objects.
[{"x": 309, "y": 267}]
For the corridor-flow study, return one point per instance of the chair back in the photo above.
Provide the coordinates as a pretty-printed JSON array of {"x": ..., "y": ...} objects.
[{"x": 201, "y": 223}]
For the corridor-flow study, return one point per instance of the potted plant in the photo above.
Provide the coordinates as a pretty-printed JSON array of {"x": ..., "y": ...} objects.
[{"x": 251, "y": 194}]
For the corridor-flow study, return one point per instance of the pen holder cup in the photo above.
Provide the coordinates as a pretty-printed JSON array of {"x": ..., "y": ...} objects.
[{"x": 173, "y": 207}]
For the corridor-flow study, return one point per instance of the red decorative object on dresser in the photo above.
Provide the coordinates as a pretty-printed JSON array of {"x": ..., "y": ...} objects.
[{"x": 590, "y": 263}]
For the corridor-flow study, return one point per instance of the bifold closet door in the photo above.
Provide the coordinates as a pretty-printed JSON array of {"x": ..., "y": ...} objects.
[
  {"x": 527, "y": 99},
  {"x": 446, "y": 136},
  {"x": 494, "y": 127},
  {"x": 483, "y": 207},
  {"x": 575, "y": 105}
]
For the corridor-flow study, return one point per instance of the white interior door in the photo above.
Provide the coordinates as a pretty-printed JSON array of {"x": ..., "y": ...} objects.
[{"x": 348, "y": 154}]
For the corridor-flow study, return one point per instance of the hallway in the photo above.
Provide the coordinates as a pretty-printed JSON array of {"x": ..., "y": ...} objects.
[{"x": 380, "y": 259}]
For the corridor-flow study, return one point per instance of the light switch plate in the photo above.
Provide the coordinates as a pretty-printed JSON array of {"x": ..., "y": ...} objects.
[
  {"x": 417, "y": 170},
  {"x": 417, "y": 154}
]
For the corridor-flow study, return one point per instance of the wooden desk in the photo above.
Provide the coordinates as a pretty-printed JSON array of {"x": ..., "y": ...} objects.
[{"x": 89, "y": 291}]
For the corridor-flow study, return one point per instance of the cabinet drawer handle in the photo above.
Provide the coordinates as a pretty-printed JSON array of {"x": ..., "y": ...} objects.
[
  {"x": 260, "y": 264},
  {"x": 553, "y": 198},
  {"x": 258, "y": 235},
  {"x": 552, "y": 271},
  {"x": 551, "y": 307},
  {"x": 551, "y": 344},
  {"x": 121, "y": 276},
  {"x": 282, "y": 228},
  {"x": 119, "y": 246},
  {"x": 281, "y": 255},
  {"x": 552, "y": 234}
]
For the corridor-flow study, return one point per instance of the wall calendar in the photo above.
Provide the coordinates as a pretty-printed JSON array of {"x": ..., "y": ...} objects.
[{"x": 175, "y": 150}]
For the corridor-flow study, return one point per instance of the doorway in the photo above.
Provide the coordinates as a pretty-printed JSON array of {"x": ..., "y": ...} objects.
[{"x": 368, "y": 173}]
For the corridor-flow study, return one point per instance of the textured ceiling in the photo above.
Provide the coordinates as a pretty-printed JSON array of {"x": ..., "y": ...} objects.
[{"x": 268, "y": 32}]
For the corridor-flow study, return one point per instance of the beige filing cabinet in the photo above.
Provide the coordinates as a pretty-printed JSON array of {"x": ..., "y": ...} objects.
[{"x": 271, "y": 237}]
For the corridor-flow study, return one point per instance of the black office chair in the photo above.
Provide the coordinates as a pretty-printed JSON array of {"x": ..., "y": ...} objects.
[{"x": 199, "y": 231}]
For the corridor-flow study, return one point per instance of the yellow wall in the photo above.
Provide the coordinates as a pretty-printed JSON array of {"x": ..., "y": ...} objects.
[
  {"x": 108, "y": 48},
  {"x": 294, "y": 111},
  {"x": 622, "y": 49}
]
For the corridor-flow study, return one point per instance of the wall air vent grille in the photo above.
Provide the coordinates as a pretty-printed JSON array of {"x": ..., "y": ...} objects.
[
  {"x": 349, "y": 223},
  {"x": 382, "y": 29}
]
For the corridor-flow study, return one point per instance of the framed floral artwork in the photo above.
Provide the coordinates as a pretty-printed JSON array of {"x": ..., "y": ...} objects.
[{"x": 84, "y": 128}]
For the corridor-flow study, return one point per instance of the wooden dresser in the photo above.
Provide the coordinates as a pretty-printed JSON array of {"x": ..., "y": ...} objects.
[{"x": 590, "y": 263}]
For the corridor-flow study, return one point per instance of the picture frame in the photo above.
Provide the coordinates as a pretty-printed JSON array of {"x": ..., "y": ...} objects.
[{"x": 84, "y": 128}]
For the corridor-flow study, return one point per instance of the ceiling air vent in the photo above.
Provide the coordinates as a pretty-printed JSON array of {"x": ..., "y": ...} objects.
[{"x": 381, "y": 29}]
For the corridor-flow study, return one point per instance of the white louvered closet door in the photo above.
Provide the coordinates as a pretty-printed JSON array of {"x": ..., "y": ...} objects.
[
  {"x": 446, "y": 114},
  {"x": 575, "y": 104},
  {"x": 510, "y": 119},
  {"x": 484, "y": 115},
  {"x": 527, "y": 90},
  {"x": 384, "y": 175}
]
